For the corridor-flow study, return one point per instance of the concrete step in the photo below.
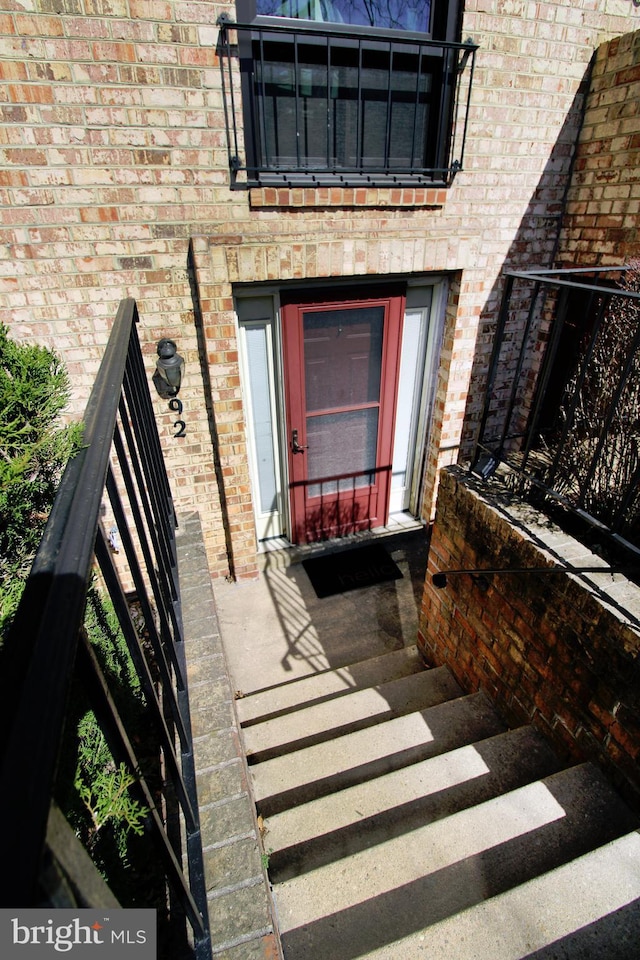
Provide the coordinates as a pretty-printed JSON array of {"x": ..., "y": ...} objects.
[
  {"x": 328, "y": 684},
  {"x": 354, "y": 906},
  {"x": 313, "y": 724},
  {"x": 352, "y": 758},
  {"x": 402, "y": 820},
  {"x": 343, "y": 823},
  {"x": 588, "y": 909}
]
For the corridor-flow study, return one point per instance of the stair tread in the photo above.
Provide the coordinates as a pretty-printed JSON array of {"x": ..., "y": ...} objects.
[
  {"x": 362, "y": 708},
  {"x": 334, "y": 825},
  {"x": 588, "y": 909},
  {"x": 353, "y": 757},
  {"x": 503, "y": 841},
  {"x": 328, "y": 684}
]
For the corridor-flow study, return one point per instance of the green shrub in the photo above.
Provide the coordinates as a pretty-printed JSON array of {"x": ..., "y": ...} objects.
[
  {"x": 92, "y": 789},
  {"x": 34, "y": 447}
]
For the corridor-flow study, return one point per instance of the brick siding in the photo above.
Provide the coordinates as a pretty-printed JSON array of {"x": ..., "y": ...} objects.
[
  {"x": 551, "y": 650},
  {"x": 113, "y": 157},
  {"x": 601, "y": 223}
]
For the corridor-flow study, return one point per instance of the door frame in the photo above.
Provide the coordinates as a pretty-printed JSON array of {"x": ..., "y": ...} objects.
[
  {"x": 280, "y": 525},
  {"x": 254, "y": 308},
  {"x": 431, "y": 347}
]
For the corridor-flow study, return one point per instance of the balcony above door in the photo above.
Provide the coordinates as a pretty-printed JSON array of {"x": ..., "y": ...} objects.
[{"x": 311, "y": 103}]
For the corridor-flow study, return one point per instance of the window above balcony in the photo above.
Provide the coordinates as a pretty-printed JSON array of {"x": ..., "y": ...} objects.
[
  {"x": 355, "y": 96},
  {"x": 393, "y": 15}
]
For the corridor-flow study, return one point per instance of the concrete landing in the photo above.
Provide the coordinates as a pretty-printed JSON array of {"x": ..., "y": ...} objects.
[{"x": 275, "y": 628}]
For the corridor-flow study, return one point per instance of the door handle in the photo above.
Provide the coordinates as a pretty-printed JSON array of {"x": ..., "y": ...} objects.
[{"x": 295, "y": 446}]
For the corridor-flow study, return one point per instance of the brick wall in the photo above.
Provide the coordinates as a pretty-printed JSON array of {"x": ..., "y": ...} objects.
[
  {"x": 113, "y": 155},
  {"x": 601, "y": 224},
  {"x": 554, "y": 651},
  {"x": 110, "y": 155}
]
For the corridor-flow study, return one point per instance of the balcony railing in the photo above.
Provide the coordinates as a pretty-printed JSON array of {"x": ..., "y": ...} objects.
[
  {"x": 311, "y": 105},
  {"x": 47, "y": 652},
  {"x": 562, "y": 401}
]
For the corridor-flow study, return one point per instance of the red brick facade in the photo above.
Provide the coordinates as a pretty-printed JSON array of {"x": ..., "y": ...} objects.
[{"x": 113, "y": 158}]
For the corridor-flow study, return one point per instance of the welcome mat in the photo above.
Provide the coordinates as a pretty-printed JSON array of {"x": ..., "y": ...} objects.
[{"x": 351, "y": 570}]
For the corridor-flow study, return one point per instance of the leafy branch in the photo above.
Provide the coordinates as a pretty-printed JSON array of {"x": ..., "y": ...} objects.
[{"x": 107, "y": 798}]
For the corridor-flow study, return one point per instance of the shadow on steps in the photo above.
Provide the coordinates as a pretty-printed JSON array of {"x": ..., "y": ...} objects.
[{"x": 592, "y": 817}]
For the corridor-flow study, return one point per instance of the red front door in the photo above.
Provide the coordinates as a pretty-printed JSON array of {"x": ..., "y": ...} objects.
[{"x": 341, "y": 370}]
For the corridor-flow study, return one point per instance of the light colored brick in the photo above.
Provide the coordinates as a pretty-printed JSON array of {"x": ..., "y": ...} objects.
[{"x": 116, "y": 152}]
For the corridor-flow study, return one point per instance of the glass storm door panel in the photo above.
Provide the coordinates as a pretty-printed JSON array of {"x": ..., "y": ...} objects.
[{"x": 341, "y": 370}]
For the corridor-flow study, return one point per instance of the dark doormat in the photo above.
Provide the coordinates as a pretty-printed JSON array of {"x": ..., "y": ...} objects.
[{"x": 351, "y": 570}]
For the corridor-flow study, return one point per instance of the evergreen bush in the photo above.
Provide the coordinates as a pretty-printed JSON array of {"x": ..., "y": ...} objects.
[
  {"x": 93, "y": 791},
  {"x": 34, "y": 447}
]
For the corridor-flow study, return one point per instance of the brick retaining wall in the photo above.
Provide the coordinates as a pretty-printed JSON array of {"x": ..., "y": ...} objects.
[{"x": 557, "y": 651}]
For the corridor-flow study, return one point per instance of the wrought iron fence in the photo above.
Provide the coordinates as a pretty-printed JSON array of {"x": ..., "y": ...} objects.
[
  {"x": 562, "y": 403},
  {"x": 315, "y": 105},
  {"x": 48, "y": 652}
]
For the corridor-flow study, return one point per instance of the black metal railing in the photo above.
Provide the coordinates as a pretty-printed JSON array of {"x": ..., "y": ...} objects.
[
  {"x": 48, "y": 651},
  {"x": 312, "y": 105},
  {"x": 562, "y": 403}
]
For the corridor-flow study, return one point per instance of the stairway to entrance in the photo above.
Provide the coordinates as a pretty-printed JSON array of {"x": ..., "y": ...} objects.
[{"x": 401, "y": 819}]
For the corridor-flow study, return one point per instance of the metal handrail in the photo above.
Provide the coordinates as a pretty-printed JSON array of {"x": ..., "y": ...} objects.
[
  {"x": 439, "y": 579},
  {"x": 287, "y": 26},
  {"x": 41, "y": 647},
  {"x": 47, "y": 645}
]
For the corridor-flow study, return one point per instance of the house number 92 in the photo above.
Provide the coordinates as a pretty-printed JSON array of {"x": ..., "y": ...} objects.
[{"x": 176, "y": 406}]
